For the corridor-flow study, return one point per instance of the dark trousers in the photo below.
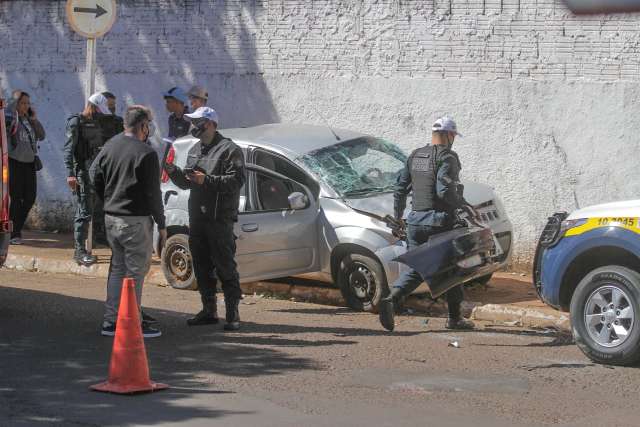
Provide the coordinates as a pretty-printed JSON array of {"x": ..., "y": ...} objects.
[
  {"x": 213, "y": 247},
  {"x": 410, "y": 280},
  {"x": 84, "y": 210},
  {"x": 23, "y": 188}
]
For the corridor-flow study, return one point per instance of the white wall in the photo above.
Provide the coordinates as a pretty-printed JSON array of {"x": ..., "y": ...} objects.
[{"x": 546, "y": 100}]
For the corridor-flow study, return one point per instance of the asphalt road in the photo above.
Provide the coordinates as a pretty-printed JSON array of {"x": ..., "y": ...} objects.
[{"x": 293, "y": 364}]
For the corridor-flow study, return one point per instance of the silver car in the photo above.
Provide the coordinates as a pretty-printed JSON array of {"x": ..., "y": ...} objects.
[{"x": 305, "y": 209}]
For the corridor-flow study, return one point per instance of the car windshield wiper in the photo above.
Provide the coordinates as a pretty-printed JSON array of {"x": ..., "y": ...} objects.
[{"x": 366, "y": 190}]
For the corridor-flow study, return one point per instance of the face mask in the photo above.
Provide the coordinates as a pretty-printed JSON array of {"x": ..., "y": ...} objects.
[
  {"x": 151, "y": 129},
  {"x": 198, "y": 130},
  {"x": 449, "y": 142}
]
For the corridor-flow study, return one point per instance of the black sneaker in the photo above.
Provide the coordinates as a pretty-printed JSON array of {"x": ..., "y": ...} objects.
[
  {"x": 459, "y": 324},
  {"x": 108, "y": 329},
  {"x": 149, "y": 331},
  {"x": 148, "y": 318}
]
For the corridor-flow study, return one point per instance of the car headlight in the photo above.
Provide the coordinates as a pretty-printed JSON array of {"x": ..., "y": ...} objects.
[{"x": 568, "y": 224}]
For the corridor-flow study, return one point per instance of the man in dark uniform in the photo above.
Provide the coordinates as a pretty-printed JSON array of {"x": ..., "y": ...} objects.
[
  {"x": 85, "y": 138},
  {"x": 214, "y": 173},
  {"x": 176, "y": 101},
  {"x": 432, "y": 173}
]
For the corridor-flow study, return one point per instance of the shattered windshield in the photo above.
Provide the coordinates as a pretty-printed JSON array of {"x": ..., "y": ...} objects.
[{"x": 358, "y": 167}]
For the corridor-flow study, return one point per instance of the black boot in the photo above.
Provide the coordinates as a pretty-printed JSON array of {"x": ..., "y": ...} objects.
[
  {"x": 207, "y": 316},
  {"x": 82, "y": 257},
  {"x": 387, "y": 309},
  {"x": 455, "y": 320},
  {"x": 232, "y": 314}
]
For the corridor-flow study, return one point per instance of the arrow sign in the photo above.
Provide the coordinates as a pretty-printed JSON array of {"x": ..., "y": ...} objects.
[
  {"x": 99, "y": 11},
  {"x": 91, "y": 18}
]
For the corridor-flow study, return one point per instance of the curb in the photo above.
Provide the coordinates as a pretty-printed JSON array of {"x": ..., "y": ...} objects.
[{"x": 501, "y": 314}]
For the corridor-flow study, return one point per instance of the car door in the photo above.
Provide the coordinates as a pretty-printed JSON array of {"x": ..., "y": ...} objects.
[{"x": 275, "y": 240}]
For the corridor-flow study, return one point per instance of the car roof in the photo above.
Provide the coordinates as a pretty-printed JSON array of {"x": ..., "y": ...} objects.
[{"x": 297, "y": 139}]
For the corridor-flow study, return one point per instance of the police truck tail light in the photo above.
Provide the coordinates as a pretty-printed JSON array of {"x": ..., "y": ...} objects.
[{"x": 171, "y": 157}]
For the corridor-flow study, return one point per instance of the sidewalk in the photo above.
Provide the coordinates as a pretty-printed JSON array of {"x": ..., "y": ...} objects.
[{"x": 509, "y": 299}]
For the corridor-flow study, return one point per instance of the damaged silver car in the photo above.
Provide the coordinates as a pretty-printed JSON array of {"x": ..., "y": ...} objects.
[{"x": 314, "y": 202}]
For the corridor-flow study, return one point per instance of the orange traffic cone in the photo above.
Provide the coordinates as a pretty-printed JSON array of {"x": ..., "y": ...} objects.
[{"x": 128, "y": 370}]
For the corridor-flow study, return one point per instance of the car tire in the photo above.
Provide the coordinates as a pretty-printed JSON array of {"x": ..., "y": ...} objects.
[
  {"x": 362, "y": 282},
  {"x": 605, "y": 315},
  {"x": 177, "y": 263}
]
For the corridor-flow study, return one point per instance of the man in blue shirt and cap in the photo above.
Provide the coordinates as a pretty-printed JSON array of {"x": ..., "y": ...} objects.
[{"x": 176, "y": 100}]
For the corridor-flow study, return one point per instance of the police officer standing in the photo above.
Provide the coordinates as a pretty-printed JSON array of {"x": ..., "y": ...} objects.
[
  {"x": 432, "y": 173},
  {"x": 215, "y": 173},
  {"x": 84, "y": 139},
  {"x": 111, "y": 125},
  {"x": 176, "y": 101}
]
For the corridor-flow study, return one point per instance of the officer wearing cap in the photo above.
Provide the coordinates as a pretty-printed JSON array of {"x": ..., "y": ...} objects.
[
  {"x": 176, "y": 100},
  {"x": 198, "y": 97},
  {"x": 432, "y": 174},
  {"x": 214, "y": 173},
  {"x": 84, "y": 139}
]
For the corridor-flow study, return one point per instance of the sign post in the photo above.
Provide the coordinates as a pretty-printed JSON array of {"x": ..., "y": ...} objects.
[{"x": 91, "y": 19}]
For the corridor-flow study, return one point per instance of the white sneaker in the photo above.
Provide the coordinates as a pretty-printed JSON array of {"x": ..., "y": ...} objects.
[{"x": 16, "y": 241}]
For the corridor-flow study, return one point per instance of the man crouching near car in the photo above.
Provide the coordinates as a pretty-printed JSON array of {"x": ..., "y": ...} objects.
[
  {"x": 432, "y": 173},
  {"x": 214, "y": 173}
]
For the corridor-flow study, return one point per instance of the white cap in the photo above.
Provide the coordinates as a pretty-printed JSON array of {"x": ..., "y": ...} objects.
[
  {"x": 445, "y": 124},
  {"x": 100, "y": 101},
  {"x": 204, "y": 113}
]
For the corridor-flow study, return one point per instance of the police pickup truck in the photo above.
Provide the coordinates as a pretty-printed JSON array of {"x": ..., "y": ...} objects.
[{"x": 588, "y": 263}]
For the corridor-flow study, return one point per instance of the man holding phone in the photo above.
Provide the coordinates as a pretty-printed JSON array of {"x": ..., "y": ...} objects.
[{"x": 214, "y": 173}]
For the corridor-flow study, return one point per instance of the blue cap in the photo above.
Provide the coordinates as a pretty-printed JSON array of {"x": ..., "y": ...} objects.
[{"x": 177, "y": 93}]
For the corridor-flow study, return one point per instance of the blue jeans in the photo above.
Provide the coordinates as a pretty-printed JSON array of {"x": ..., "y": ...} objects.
[{"x": 410, "y": 280}]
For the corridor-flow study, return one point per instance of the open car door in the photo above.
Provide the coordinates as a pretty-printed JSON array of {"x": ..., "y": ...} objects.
[{"x": 451, "y": 258}]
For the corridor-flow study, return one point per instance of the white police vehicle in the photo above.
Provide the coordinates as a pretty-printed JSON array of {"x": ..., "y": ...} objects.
[{"x": 588, "y": 263}]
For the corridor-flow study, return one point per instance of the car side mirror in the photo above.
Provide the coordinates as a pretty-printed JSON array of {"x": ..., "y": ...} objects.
[{"x": 298, "y": 201}]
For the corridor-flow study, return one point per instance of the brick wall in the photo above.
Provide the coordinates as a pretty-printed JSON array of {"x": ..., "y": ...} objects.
[{"x": 547, "y": 99}]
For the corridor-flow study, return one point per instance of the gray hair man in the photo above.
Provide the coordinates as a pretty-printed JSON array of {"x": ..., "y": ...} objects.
[{"x": 126, "y": 176}]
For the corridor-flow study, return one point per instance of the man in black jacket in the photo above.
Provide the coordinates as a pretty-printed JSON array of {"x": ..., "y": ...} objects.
[
  {"x": 215, "y": 173},
  {"x": 126, "y": 176}
]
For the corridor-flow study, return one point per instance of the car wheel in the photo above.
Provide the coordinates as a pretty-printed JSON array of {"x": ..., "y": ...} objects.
[
  {"x": 177, "y": 263},
  {"x": 605, "y": 315},
  {"x": 362, "y": 281}
]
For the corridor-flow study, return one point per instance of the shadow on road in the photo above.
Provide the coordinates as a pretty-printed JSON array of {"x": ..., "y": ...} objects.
[{"x": 51, "y": 353}]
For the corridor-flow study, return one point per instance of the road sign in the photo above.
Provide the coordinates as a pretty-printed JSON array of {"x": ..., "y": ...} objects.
[{"x": 91, "y": 18}]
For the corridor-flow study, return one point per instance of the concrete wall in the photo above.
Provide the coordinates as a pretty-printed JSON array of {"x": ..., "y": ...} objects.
[{"x": 546, "y": 100}]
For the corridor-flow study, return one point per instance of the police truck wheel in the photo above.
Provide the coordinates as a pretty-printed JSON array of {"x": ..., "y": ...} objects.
[
  {"x": 177, "y": 263},
  {"x": 605, "y": 315},
  {"x": 362, "y": 282}
]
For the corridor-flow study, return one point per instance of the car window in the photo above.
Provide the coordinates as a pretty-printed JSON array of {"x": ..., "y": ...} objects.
[
  {"x": 272, "y": 193},
  {"x": 358, "y": 167}
]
